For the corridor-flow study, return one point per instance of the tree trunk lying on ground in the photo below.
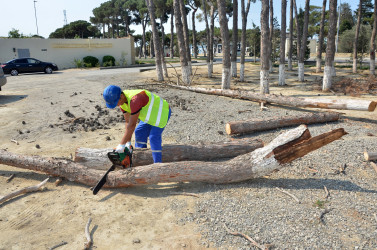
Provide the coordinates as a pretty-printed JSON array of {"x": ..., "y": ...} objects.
[
  {"x": 370, "y": 156},
  {"x": 285, "y": 148},
  {"x": 97, "y": 158},
  {"x": 254, "y": 125},
  {"x": 349, "y": 104}
]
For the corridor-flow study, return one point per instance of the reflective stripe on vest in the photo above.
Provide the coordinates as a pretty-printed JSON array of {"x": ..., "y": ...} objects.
[{"x": 155, "y": 113}]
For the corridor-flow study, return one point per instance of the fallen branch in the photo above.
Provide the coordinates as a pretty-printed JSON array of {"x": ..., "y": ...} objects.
[
  {"x": 348, "y": 104},
  {"x": 23, "y": 191},
  {"x": 10, "y": 178},
  {"x": 15, "y": 142},
  {"x": 254, "y": 125},
  {"x": 374, "y": 166},
  {"x": 327, "y": 194},
  {"x": 97, "y": 158},
  {"x": 58, "y": 245},
  {"x": 89, "y": 242},
  {"x": 285, "y": 148},
  {"x": 187, "y": 194},
  {"x": 291, "y": 195},
  {"x": 253, "y": 242},
  {"x": 370, "y": 156}
]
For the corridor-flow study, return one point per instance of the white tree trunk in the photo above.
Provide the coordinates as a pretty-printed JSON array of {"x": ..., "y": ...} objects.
[
  {"x": 190, "y": 67},
  {"x": 327, "y": 77},
  {"x": 271, "y": 67},
  {"x": 226, "y": 76},
  {"x": 354, "y": 66},
  {"x": 209, "y": 70},
  {"x": 186, "y": 75},
  {"x": 234, "y": 69},
  {"x": 281, "y": 74},
  {"x": 318, "y": 65},
  {"x": 211, "y": 66},
  {"x": 264, "y": 80},
  {"x": 301, "y": 72},
  {"x": 372, "y": 66},
  {"x": 333, "y": 71},
  {"x": 289, "y": 64},
  {"x": 242, "y": 72}
]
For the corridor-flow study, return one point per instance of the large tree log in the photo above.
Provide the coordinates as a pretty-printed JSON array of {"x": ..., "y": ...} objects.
[
  {"x": 254, "y": 125},
  {"x": 285, "y": 148},
  {"x": 349, "y": 104},
  {"x": 97, "y": 158}
]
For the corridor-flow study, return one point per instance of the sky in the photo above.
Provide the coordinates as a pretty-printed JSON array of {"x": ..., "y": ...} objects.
[{"x": 48, "y": 15}]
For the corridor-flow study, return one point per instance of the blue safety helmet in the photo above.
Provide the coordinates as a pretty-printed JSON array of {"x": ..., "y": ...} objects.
[{"x": 111, "y": 94}]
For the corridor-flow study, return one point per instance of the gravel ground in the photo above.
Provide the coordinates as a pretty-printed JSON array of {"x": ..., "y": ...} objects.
[{"x": 346, "y": 219}]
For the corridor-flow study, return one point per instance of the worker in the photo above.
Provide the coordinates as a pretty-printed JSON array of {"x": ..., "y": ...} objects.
[{"x": 153, "y": 114}]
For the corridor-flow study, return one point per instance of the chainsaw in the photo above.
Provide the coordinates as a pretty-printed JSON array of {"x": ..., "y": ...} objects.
[{"x": 118, "y": 160}]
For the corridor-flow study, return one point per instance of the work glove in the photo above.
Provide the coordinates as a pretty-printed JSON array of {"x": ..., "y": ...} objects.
[{"x": 120, "y": 148}]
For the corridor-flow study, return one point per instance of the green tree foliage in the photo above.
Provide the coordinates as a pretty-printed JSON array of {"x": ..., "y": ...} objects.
[
  {"x": 366, "y": 12},
  {"x": 14, "y": 33},
  {"x": 347, "y": 38},
  {"x": 79, "y": 29},
  {"x": 347, "y": 20}
]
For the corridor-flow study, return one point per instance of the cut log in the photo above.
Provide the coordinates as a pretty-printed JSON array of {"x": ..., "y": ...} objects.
[
  {"x": 370, "y": 156},
  {"x": 254, "y": 125},
  {"x": 285, "y": 148},
  {"x": 348, "y": 104},
  {"x": 97, "y": 158}
]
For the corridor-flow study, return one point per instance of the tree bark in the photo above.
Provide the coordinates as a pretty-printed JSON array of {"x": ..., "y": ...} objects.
[
  {"x": 290, "y": 36},
  {"x": 255, "y": 125},
  {"x": 370, "y": 156},
  {"x": 185, "y": 33},
  {"x": 282, "y": 42},
  {"x": 372, "y": 53},
  {"x": 156, "y": 41},
  {"x": 283, "y": 149},
  {"x": 209, "y": 52},
  {"x": 234, "y": 39},
  {"x": 97, "y": 158},
  {"x": 181, "y": 44},
  {"x": 355, "y": 42},
  {"x": 330, "y": 49},
  {"x": 320, "y": 39},
  {"x": 244, "y": 14},
  {"x": 172, "y": 32},
  {"x": 271, "y": 35},
  {"x": 194, "y": 44},
  {"x": 298, "y": 32},
  {"x": 301, "y": 68},
  {"x": 265, "y": 47},
  {"x": 226, "y": 75},
  {"x": 347, "y": 104}
]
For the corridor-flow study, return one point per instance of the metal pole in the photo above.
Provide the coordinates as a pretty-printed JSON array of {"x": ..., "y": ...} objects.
[
  {"x": 337, "y": 33},
  {"x": 35, "y": 12}
]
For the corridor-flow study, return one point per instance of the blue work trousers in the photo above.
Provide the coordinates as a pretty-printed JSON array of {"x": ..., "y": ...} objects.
[{"x": 143, "y": 131}]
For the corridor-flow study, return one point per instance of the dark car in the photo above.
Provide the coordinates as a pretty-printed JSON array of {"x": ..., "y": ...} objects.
[
  {"x": 3, "y": 79},
  {"x": 28, "y": 65}
]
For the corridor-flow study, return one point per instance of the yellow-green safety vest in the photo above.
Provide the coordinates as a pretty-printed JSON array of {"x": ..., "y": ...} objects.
[{"x": 155, "y": 113}]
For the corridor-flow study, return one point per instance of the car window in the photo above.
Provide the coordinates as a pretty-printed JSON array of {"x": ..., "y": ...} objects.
[
  {"x": 30, "y": 60},
  {"x": 21, "y": 61}
]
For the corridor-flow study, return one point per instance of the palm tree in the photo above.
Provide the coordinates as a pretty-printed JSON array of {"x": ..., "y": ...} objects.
[
  {"x": 234, "y": 39},
  {"x": 265, "y": 47},
  {"x": 320, "y": 39},
  {"x": 271, "y": 32},
  {"x": 282, "y": 42},
  {"x": 330, "y": 49},
  {"x": 354, "y": 65},
  {"x": 226, "y": 75},
  {"x": 372, "y": 41}
]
